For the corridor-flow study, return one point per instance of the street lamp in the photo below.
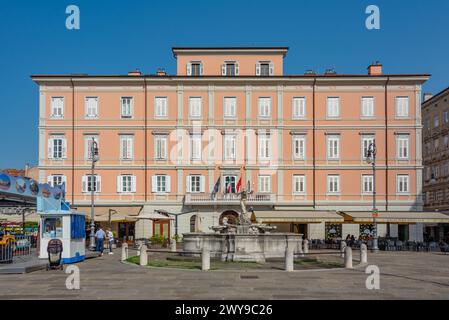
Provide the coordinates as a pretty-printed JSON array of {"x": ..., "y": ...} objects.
[
  {"x": 371, "y": 158},
  {"x": 94, "y": 158}
]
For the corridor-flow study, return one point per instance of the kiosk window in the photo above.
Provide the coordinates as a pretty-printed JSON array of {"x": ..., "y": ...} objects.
[{"x": 52, "y": 228}]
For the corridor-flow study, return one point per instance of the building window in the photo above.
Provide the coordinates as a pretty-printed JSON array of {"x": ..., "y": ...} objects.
[
  {"x": 333, "y": 184},
  {"x": 446, "y": 141},
  {"x": 194, "y": 68},
  {"x": 264, "y": 146},
  {"x": 160, "y": 147},
  {"x": 299, "y": 184},
  {"x": 56, "y": 180},
  {"x": 230, "y": 106},
  {"x": 161, "y": 183},
  {"x": 264, "y": 105},
  {"x": 436, "y": 121},
  {"x": 90, "y": 182},
  {"x": 127, "y": 107},
  {"x": 264, "y": 68},
  {"x": 57, "y": 147},
  {"x": 57, "y": 107},
  {"x": 402, "y": 182},
  {"x": 402, "y": 147},
  {"x": 367, "y": 183},
  {"x": 88, "y": 141},
  {"x": 195, "y": 106},
  {"x": 195, "y": 147},
  {"x": 367, "y": 106},
  {"x": 229, "y": 184},
  {"x": 299, "y": 107},
  {"x": 160, "y": 107},
  {"x": 436, "y": 145},
  {"x": 195, "y": 183},
  {"x": 367, "y": 140},
  {"x": 446, "y": 117},
  {"x": 229, "y": 147},
  {"x": 333, "y": 147},
  {"x": 333, "y": 107},
  {"x": 264, "y": 184},
  {"x": 126, "y": 183},
  {"x": 91, "y": 107},
  {"x": 299, "y": 147},
  {"x": 126, "y": 147},
  {"x": 193, "y": 223},
  {"x": 230, "y": 68},
  {"x": 402, "y": 107}
]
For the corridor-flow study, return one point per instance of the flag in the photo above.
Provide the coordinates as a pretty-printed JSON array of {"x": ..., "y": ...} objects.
[
  {"x": 239, "y": 185},
  {"x": 228, "y": 186},
  {"x": 248, "y": 189},
  {"x": 217, "y": 186}
]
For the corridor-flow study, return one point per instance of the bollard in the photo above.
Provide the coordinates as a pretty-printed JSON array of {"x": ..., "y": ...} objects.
[
  {"x": 143, "y": 255},
  {"x": 289, "y": 258},
  {"x": 348, "y": 258},
  {"x": 300, "y": 251},
  {"x": 363, "y": 253},
  {"x": 306, "y": 246},
  {"x": 205, "y": 258},
  {"x": 342, "y": 248},
  {"x": 173, "y": 245},
  {"x": 124, "y": 252}
]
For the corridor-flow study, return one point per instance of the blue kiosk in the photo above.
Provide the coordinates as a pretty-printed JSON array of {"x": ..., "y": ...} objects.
[{"x": 57, "y": 221}]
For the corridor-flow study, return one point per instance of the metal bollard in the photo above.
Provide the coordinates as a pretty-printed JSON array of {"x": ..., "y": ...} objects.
[
  {"x": 306, "y": 246},
  {"x": 143, "y": 255},
  {"x": 363, "y": 253},
  {"x": 124, "y": 252},
  {"x": 300, "y": 251},
  {"x": 173, "y": 245},
  {"x": 348, "y": 258},
  {"x": 289, "y": 258},
  {"x": 342, "y": 248},
  {"x": 205, "y": 258}
]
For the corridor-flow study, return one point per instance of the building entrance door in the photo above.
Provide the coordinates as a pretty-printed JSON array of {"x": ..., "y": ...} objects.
[
  {"x": 126, "y": 232},
  {"x": 403, "y": 232},
  {"x": 161, "y": 228}
]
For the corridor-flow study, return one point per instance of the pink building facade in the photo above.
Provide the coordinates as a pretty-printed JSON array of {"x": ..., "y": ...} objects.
[{"x": 297, "y": 142}]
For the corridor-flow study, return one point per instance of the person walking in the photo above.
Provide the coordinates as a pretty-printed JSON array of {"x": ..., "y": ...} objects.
[
  {"x": 99, "y": 236},
  {"x": 110, "y": 235}
]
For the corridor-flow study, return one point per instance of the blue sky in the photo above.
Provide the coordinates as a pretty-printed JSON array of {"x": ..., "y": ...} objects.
[{"x": 118, "y": 36}]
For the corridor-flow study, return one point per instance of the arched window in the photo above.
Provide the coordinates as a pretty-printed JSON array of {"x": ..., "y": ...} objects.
[{"x": 193, "y": 223}]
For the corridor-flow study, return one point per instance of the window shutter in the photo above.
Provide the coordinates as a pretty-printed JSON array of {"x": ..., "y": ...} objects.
[
  {"x": 133, "y": 184},
  {"x": 119, "y": 184},
  {"x": 50, "y": 180},
  {"x": 223, "y": 69},
  {"x": 189, "y": 69},
  {"x": 50, "y": 148},
  {"x": 237, "y": 69},
  {"x": 271, "y": 68},
  {"x": 202, "y": 183},
  {"x": 84, "y": 184},
  {"x": 64, "y": 148},
  {"x": 258, "y": 69},
  {"x": 64, "y": 181},
  {"x": 129, "y": 149},
  {"x": 201, "y": 69},
  {"x": 167, "y": 183},
  {"x": 98, "y": 184},
  {"x": 188, "y": 183},
  {"x": 154, "y": 184}
]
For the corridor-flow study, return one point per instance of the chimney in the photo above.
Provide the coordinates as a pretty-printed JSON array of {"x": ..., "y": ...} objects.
[
  {"x": 375, "y": 69},
  {"x": 161, "y": 72},
  {"x": 427, "y": 96},
  {"x": 310, "y": 72},
  {"x": 330, "y": 71},
  {"x": 135, "y": 73}
]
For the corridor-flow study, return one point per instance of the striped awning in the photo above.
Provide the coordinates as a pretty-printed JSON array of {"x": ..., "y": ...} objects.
[
  {"x": 298, "y": 216},
  {"x": 407, "y": 217}
]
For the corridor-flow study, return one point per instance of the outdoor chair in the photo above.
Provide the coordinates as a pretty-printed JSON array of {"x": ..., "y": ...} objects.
[
  {"x": 444, "y": 248},
  {"x": 399, "y": 245},
  {"x": 391, "y": 245}
]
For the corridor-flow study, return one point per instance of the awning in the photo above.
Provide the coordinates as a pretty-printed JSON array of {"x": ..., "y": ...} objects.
[
  {"x": 154, "y": 216},
  {"x": 298, "y": 216},
  {"x": 396, "y": 217},
  {"x": 118, "y": 214},
  {"x": 33, "y": 217}
]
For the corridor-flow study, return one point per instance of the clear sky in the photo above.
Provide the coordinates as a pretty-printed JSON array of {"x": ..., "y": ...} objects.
[{"x": 118, "y": 36}]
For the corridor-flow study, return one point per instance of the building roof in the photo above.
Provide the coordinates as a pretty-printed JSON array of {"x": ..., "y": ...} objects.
[
  {"x": 177, "y": 50},
  {"x": 436, "y": 97}
]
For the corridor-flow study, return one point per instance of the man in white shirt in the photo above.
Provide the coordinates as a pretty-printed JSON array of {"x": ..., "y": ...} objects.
[{"x": 110, "y": 236}]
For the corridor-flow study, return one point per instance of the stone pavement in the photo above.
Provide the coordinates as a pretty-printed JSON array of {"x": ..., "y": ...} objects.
[{"x": 404, "y": 275}]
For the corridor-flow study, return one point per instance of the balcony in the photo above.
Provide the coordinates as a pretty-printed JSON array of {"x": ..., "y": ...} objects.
[{"x": 229, "y": 199}]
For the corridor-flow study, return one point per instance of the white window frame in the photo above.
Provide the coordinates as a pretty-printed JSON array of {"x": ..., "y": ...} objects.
[
  {"x": 402, "y": 146},
  {"x": 195, "y": 146},
  {"x": 333, "y": 150},
  {"x": 96, "y": 182},
  {"x": 52, "y": 154},
  {"x": 333, "y": 184},
  {"x": 367, "y": 180},
  {"x": 57, "y": 110},
  {"x": 264, "y": 107},
  {"x": 264, "y": 183},
  {"x": 193, "y": 107},
  {"x": 264, "y": 146},
  {"x": 129, "y": 187},
  {"x": 87, "y": 107},
  {"x": 367, "y": 107},
  {"x": 333, "y": 107},
  {"x": 224, "y": 68},
  {"x": 436, "y": 121},
  {"x": 51, "y": 179},
  {"x": 160, "y": 107},
  {"x": 366, "y": 140},
  {"x": 229, "y": 107},
  {"x": 229, "y": 146},
  {"x": 160, "y": 146},
  {"x": 126, "y": 109},
  {"x": 299, "y": 107},
  {"x": 299, "y": 146},
  {"x": 87, "y": 142},
  {"x": 126, "y": 150},
  {"x": 404, "y": 181},
  {"x": 195, "y": 183},
  {"x": 161, "y": 180},
  {"x": 190, "y": 69},
  {"x": 299, "y": 180},
  {"x": 259, "y": 68},
  {"x": 402, "y": 107}
]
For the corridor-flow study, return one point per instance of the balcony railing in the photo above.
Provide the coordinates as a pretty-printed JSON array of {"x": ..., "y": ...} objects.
[{"x": 228, "y": 198}]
